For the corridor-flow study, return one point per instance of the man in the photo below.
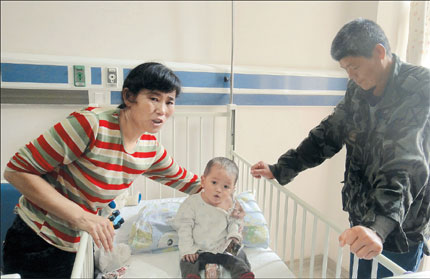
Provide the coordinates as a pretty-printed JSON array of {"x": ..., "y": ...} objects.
[{"x": 384, "y": 122}]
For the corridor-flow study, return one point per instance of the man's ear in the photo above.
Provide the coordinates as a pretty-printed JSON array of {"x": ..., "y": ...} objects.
[{"x": 379, "y": 51}]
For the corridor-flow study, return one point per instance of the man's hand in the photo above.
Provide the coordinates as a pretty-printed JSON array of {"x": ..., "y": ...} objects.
[
  {"x": 364, "y": 242},
  {"x": 261, "y": 169},
  {"x": 191, "y": 257}
]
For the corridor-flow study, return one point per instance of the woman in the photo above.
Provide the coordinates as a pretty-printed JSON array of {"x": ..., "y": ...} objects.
[{"x": 82, "y": 163}]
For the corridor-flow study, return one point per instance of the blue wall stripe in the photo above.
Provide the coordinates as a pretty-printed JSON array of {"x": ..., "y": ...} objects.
[
  {"x": 12, "y": 72},
  {"x": 96, "y": 75},
  {"x": 256, "y": 81},
  {"x": 203, "y": 99},
  {"x": 217, "y": 99},
  {"x": 259, "y": 81},
  {"x": 203, "y": 79},
  {"x": 285, "y": 100},
  {"x": 198, "y": 79}
]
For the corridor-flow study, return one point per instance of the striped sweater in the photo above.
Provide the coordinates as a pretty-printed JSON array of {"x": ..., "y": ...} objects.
[{"x": 83, "y": 158}]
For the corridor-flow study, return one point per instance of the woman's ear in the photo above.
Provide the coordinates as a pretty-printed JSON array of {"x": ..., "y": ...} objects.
[{"x": 126, "y": 96}]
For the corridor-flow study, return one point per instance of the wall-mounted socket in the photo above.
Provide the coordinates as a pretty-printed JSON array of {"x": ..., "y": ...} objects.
[
  {"x": 79, "y": 75},
  {"x": 112, "y": 77},
  {"x": 98, "y": 97}
]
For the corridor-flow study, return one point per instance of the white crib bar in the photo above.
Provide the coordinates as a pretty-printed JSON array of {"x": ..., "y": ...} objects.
[
  {"x": 270, "y": 207},
  {"x": 83, "y": 266},
  {"x": 213, "y": 132},
  {"x": 252, "y": 183},
  {"x": 325, "y": 257},
  {"x": 339, "y": 262},
  {"x": 374, "y": 269},
  {"x": 278, "y": 197},
  {"x": 248, "y": 170},
  {"x": 302, "y": 248},
  {"x": 284, "y": 231},
  {"x": 293, "y": 236},
  {"x": 314, "y": 234},
  {"x": 355, "y": 267},
  {"x": 264, "y": 198}
]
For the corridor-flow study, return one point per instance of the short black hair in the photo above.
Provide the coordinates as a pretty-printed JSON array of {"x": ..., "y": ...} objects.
[
  {"x": 358, "y": 38},
  {"x": 151, "y": 76}
]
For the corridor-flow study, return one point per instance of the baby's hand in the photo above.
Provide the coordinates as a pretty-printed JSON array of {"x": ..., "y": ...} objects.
[
  {"x": 234, "y": 247},
  {"x": 234, "y": 239},
  {"x": 191, "y": 257},
  {"x": 238, "y": 211}
]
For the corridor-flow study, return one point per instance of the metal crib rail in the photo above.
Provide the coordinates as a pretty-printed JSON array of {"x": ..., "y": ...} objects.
[{"x": 307, "y": 209}]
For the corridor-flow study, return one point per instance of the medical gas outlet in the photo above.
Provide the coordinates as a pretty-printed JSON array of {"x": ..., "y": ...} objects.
[
  {"x": 79, "y": 75},
  {"x": 112, "y": 77}
]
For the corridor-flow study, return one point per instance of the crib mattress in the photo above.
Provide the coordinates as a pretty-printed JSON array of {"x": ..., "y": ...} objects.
[{"x": 265, "y": 263}]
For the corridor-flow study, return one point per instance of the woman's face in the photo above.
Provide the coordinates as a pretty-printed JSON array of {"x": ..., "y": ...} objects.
[{"x": 151, "y": 109}]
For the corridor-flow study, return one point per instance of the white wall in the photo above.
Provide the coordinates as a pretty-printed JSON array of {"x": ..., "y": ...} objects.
[
  {"x": 268, "y": 33},
  {"x": 293, "y": 34},
  {"x": 271, "y": 34}
]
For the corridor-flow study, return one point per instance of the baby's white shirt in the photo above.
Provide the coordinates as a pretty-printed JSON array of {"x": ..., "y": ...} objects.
[{"x": 204, "y": 227}]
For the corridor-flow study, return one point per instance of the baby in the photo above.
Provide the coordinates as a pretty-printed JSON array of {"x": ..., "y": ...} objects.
[{"x": 205, "y": 225}]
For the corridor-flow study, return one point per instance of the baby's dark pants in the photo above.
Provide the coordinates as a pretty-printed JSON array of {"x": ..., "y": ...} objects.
[{"x": 237, "y": 265}]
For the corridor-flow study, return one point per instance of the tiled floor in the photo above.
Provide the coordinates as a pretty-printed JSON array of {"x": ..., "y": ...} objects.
[{"x": 317, "y": 270}]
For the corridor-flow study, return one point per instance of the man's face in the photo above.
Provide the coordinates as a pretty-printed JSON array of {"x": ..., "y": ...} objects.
[{"x": 365, "y": 72}]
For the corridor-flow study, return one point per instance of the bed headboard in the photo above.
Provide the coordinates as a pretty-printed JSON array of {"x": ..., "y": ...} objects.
[{"x": 192, "y": 136}]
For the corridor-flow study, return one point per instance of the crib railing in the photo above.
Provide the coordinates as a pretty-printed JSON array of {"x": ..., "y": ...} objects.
[
  {"x": 281, "y": 208},
  {"x": 84, "y": 261}
]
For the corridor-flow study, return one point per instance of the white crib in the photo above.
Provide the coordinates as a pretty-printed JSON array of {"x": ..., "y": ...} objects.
[{"x": 299, "y": 234}]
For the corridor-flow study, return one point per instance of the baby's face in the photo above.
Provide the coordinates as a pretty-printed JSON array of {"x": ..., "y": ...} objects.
[{"x": 218, "y": 186}]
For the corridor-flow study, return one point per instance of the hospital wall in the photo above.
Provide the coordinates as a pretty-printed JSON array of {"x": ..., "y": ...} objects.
[{"x": 270, "y": 38}]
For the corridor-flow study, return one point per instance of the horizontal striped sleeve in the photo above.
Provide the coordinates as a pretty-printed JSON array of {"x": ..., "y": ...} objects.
[
  {"x": 166, "y": 171},
  {"x": 62, "y": 144}
]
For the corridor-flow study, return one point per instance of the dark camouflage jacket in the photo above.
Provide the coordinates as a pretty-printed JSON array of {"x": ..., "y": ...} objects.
[{"x": 388, "y": 154}]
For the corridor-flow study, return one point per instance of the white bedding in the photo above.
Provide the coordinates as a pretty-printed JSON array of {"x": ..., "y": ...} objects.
[{"x": 264, "y": 262}]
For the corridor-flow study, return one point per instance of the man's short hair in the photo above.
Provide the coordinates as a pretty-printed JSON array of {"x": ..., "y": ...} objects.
[{"x": 358, "y": 38}]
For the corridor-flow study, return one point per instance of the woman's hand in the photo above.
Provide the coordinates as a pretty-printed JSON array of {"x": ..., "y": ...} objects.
[
  {"x": 100, "y": 228},
  {"x": 261, "y": 169},
  {"x": 191, "y": 257}
]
